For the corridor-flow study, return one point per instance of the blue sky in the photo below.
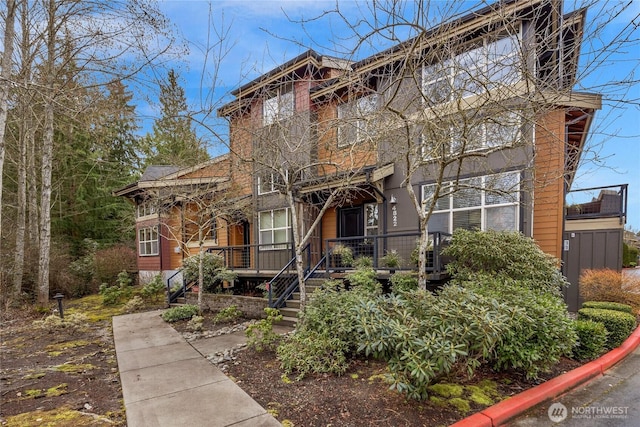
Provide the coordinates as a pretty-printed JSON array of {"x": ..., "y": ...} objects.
[{"x": 259, "y": 35}]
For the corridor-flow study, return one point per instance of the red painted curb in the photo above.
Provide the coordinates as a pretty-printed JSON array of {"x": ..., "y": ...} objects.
[{"x": 510, "y": 408}]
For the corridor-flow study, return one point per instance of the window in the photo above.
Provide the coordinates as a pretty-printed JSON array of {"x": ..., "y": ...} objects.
[
  {"x": 148, "y": 241},
  {"x": 489, "y": 63},
  {"x": 488, "y": 203},
  {"x": 213, "y": 229},
  {"x": 371, "y": 219},
  {"x": 500, "y": 130},
  {"x": 278, "y": 107},
  {"x": 270, "y": 183},
  {"x": 146, "y": 208},
  {"x": 274, "y": 229},
  {"x": 355, "y": 121}
]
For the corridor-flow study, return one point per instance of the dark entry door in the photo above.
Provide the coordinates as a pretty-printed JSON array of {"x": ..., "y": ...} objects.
[{"x": 351, "y": 222}]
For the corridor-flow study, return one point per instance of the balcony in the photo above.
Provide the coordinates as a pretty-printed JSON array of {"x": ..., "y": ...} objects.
[{"x": 597, "y": 203}]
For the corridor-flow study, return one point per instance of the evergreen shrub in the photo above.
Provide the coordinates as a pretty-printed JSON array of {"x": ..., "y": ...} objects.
[
  {"x": 592, "y": 339},
  {"x": 619, "y": 325}
]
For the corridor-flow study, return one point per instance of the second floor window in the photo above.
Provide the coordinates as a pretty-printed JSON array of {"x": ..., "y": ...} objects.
[
  {"x": 500, "y": 130},
  {"x": 274, "y": 229},
  {"x": 355, "y": 120},
  {"x": 270, "y": 183},
  {"x": 148, "y": 241},
  {"x": 279, "y": 106},
  {"x": 146, "y": 208}
]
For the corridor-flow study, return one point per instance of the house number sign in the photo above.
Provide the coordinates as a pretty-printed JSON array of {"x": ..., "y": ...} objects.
[{"x": 394, "y": 215}]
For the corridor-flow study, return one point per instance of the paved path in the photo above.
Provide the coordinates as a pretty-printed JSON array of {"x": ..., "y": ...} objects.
[
  {"x": 167, "y": 382},
  {"x": 612, "y": 400}
]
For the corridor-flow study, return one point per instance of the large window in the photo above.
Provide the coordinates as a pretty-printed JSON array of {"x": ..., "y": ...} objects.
[
  {"x": 488, "y": 203},
  {"x": 279, "y": 106},
  {"x": 148, "y": 241},
  {"x": 274, "y": 229},
  {"x": 471, "y": 134},
  {"x": 490, "y": 62},
  {"x": 355, "y": 121}
]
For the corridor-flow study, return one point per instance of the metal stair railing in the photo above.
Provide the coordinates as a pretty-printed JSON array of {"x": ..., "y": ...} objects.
[
  {"x": 282, "y": 286},
  {"x": 173, "y": 296}
]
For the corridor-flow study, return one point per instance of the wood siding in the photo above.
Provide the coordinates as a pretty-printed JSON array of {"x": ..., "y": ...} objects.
[{"x": 549, "y": 183}]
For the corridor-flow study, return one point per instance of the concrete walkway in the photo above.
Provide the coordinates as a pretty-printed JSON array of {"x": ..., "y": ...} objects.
[{"x": 167, "y": 382}]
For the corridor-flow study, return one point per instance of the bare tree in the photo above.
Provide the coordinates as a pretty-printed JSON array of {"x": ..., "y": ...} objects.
[
  {"x": 461, "y": 100},
  {"x": 95, "y": 42},
  {"x": 5, "y": 86}
]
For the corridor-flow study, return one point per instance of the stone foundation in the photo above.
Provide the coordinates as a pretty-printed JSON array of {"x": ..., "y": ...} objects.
[{"x": 252, "y": 307}]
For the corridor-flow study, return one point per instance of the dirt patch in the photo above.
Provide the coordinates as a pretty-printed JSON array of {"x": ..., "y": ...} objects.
[
  {"x": 361, "y": 397},
  {"x": 60, "y": 377}
]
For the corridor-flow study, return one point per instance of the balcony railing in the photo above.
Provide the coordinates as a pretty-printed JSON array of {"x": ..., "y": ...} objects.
[{"x": 597, "y": 202}]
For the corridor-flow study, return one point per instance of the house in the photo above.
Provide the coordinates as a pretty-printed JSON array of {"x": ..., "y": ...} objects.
[{"x": 474, "y": 121}]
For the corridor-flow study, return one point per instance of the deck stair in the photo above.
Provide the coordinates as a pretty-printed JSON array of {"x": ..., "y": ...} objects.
[{"x": 291, "y": 307}]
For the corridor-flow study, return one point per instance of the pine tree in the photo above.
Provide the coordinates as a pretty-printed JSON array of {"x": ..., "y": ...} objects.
[{"x": 173, "y": 141}]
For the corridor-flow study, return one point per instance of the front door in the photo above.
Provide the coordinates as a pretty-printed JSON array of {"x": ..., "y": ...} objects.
[{"x": 351, "y": 222}]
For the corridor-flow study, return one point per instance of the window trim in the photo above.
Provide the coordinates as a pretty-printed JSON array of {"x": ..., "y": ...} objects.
[
  {"x": 274, "y": 178},
  {"x": 147, "y": 236}
]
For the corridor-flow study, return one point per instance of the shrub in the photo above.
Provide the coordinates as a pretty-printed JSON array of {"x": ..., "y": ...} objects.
[
  {"x": 182, "y": 312},
  {"x": 134, "y": 304},
  {"x": 403, "y": 282},
  {"x": 312, "y": 352},
  {"x": 195, "y": 324},
  {"x": 112, "y": 295},
  {"x": 260, "y": 335},
  {"x": 629, "y": 255},
  {"x": 228, "y": 314},
  {"x": 214, "y": 271},
  {"x": 619, "y": 325},
  {"x": 391, "y": 259},
  {"x": 53, "y": 323},
  {"x": 110, "y": 262},
  {"x": 344, "y": 254},
  {"x": 592, "y": 339},
  {"x": 507, "y": 254},
  {"x": 539, "y": 330},
  {"x": 609, "y": 285},
  {"x": 363, "y": 262},
  {"x": 365, "y": 278},
  {"x": 330, "y": 311},
  {"x": 615, "y": 306},
  {"x": 425, "y": 337},
  {"x": 154, "y": 289}
]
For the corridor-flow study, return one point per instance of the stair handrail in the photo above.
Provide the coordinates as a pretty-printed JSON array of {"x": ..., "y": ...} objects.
[
  {"x": 170, "y": 296},
  {"x": 292, "y": 286}
]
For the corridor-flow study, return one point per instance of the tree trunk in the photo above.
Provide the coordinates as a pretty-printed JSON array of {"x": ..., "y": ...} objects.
[
  {"x": 5, "y": 84},
  {"x": 26, "y": 134},
  {"x": 298, "y": 244},
  {"x": 44, "y": 251},
  {"x": 200, "y": 268}
]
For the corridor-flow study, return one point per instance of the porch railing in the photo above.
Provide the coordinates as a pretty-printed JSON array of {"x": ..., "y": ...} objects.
[
  {"x": 597, "y": 202},
  {"x": 383, "y": 248},
  {"x": 257, "y": 257}
]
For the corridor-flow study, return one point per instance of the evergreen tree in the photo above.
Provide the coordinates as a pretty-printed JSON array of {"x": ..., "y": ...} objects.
[{"x": 173, "y": 141}]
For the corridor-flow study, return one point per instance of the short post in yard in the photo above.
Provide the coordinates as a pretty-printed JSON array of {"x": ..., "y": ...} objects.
[{"x": 58, "y": 297}]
